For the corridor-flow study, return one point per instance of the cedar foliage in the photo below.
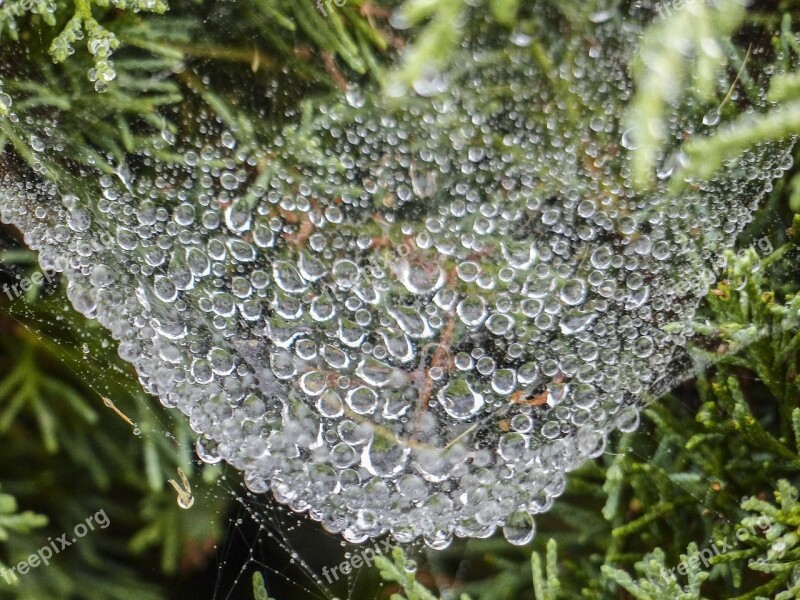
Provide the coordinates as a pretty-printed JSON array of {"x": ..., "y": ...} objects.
[{"x": 718, "y": 454}]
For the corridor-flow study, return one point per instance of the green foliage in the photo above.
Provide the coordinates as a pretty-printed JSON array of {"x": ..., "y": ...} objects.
[
  {"x": 401, "y": 570},
  {"x": 658, "y": 497},
  {"x": 64, "y": 456},
  {"x": 259, "y": 587},
  {"x": 668, "y": 64},
  {"x": 439, "y": 38},
  {"x": 99, "y": 41},
  {"x": 655, "y": 582},
  {"x": 666, "y": 61},
  {"x": 782, "y": 539},
  {"x": 13, "y": 521},
  {"x": 661, "y": 515},
  {"x": 545, "y": 581}
]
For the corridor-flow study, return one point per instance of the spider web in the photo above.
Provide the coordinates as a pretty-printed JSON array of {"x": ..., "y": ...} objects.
[
  {"x": 260, "y": 535},
  {"x": 368, "y": 426}
]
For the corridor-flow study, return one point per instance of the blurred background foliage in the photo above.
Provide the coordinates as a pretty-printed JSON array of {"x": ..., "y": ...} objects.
[{"x": 719, "y": 452}]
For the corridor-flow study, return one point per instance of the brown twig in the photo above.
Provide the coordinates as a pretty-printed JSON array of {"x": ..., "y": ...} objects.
[
  {"x": 334, "y": 72},
  {"x": 537, "y": 400},
  {"x": 370, "y": 10},
  {"x": 442, "y": 358},
  {"x": 305, "y": 226}
]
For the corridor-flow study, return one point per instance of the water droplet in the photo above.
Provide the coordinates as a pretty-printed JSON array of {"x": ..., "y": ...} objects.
[{"x": 460, "y": 400}]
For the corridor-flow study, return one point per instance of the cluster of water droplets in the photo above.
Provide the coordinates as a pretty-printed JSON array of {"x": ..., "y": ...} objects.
[{"x": 411, "y": 318}]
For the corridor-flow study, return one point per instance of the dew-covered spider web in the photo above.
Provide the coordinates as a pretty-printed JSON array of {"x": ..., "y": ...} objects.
[
  {"x": 258, "y": 534},
  {"x": 401, "y": 315},
  {"x": 293, "y": 555}
]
